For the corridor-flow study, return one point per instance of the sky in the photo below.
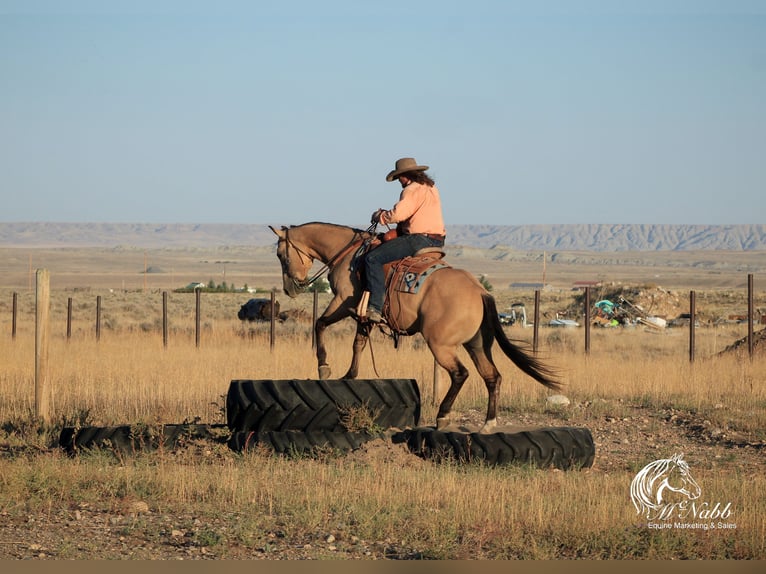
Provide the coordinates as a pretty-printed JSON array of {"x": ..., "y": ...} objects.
[{"x": 289, "y": 111}]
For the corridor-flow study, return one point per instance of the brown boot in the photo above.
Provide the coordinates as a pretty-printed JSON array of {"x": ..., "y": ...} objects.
[{"x": 374, "y": 316}]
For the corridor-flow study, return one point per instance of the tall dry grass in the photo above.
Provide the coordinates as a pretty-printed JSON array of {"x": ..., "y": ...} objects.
[{"x": 440, "y": 511}]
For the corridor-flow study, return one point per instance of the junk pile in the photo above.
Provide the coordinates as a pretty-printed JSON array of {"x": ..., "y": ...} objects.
[
  {"x": 629, "y": 306},
  {"x": 624, "y": 313}
]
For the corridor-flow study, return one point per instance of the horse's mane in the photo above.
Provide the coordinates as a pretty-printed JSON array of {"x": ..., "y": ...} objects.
[{"x": 337, "y": 225}]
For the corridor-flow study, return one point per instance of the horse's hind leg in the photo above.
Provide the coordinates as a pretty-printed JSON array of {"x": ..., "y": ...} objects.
[
  {"x": 457, "y": 374},
  {"x": 482, "y": 358}
]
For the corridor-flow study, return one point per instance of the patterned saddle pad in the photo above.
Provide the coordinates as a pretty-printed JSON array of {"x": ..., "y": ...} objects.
[{"x": 409, "y": 274}]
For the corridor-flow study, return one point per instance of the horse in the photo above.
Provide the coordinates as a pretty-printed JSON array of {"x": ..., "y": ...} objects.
[
  {"x": 450, "y": 309},
  {"x": 648, "y": 487}
]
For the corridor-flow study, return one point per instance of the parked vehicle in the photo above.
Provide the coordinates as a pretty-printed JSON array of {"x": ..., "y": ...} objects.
[{"x": 516, "y": 314}]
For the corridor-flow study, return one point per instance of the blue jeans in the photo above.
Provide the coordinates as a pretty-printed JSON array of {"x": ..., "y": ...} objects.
[{"x": 391, "y": 250}]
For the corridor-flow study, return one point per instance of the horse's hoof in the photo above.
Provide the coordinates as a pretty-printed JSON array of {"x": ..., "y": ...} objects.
[
  {"x": 442, "y": 423},
  {"x": 489, "y": 426},
  {"x": 324, "y": 372}
]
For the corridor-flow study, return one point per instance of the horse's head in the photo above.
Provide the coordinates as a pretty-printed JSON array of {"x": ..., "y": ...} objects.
[
  {"x": 671, "y": 474},
  {"x": 296, "y": 262},
  {"x": 678, "y": 478}
]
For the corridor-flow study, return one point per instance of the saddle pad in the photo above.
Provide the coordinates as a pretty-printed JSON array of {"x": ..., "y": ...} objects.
[{"x": 411, "y": 272}]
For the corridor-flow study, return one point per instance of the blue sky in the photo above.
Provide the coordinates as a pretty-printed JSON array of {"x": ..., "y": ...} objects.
[{"x": 292, "y": 111}]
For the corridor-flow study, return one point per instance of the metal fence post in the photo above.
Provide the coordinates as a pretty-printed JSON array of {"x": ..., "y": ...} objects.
[
  {"x": 15, "y": 313},
  {"x": 587, "y": 320},
  {"x": 692, "y": 315},
  {"x": 272, "y": 329},
  {"x": 69, "y": 318}
]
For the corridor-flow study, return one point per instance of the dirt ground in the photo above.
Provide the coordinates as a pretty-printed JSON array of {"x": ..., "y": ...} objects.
[{"x": 88, "y": 531}]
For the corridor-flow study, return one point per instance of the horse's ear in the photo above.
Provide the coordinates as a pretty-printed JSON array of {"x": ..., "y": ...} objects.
[{"x": 278, "y": 232}]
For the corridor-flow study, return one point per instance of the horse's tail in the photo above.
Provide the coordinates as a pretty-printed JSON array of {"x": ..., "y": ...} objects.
[{"x": 525, "y": 361}]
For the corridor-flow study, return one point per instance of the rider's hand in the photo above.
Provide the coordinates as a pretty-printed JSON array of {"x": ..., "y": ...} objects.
[{"x": 375, "y": 218}]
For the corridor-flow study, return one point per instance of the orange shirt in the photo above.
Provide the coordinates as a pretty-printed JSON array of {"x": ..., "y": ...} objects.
[{"x": 419, "y": 210}]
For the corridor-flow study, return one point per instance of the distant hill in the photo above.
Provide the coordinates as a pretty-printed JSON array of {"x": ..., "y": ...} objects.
[{"x": 562, "y": 237}]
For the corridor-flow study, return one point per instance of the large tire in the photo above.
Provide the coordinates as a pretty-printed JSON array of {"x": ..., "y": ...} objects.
[
  {"x": 559, "y": 447},
  {"x": 317, "y": 405},
  {"x": 128, "y": 439},
  {"x": 297, "y": 442}
]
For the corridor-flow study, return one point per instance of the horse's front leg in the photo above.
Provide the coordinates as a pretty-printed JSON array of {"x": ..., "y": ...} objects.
[
  {"x": 321, "y": 352},
  {"x": 336, "y": 311},
  {"x": 360, "y": 342}
]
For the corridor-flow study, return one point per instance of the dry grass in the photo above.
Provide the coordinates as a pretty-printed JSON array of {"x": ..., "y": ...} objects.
[{"x": 436, "y": 511}]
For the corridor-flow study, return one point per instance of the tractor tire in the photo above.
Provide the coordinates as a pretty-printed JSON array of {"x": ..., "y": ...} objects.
[
  {"x": 318, "y": 405},
  {"x": 564, "y": 448},
  {"x": 128, "y": 439},
  {"x": 297, "y": 442}
]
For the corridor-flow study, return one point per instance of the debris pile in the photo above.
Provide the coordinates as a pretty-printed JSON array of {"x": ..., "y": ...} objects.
[{"x": 624, "y": 306}]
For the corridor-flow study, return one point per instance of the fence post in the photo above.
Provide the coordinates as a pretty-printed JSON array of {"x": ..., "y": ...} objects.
[
  {"x": 69, "y": 318},
  {"x": 314, "y": 321},
  {"x": 272, "y": 329},
  {"x": 750, "y": 341},
  {"x": 587, "y": 320},
  {"x": 15, "y": 312},
  {"x": 98, "y": 318},
  {"x": 165, "y": 319},
  {"x": 42, "y": 308},
  {"x": 197, "y": 293},
  {"x": 536, "y": 318},
  {"x": 692, "y": 319}
]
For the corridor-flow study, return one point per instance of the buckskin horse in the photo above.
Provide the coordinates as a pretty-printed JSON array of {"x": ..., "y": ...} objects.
[{"x": 450, "y": 308}]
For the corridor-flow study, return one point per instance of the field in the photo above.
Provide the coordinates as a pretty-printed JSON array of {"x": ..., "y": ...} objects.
[{"x": 636, "y": 390}]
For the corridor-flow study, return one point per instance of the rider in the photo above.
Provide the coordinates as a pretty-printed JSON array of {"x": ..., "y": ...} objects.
[{"x": 419, "y": 222}]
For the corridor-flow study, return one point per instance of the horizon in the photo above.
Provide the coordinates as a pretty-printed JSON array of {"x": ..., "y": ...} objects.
[{"x": 539, "y": 237}]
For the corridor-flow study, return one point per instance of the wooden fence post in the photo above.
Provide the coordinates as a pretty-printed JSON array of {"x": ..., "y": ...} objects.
[
  {"x": 98, "y": 318},
  {"x": 69, "y": 318},
  {"x": 42, "y": 308},
  {"x": 197, "y": 306},
  {"x": 536, "y": 319},
  {"x": 750, "y": 309},
  {"x": 165, "y": 319}
]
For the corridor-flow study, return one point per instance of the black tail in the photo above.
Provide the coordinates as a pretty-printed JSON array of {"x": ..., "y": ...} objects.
[{"x": 524, "y": 360}]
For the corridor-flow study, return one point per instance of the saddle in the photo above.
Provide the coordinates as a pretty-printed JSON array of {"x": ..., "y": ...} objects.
[{"x": 405, "y": 276}]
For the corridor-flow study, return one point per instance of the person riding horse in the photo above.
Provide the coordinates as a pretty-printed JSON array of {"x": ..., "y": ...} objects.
[{"x": 419, "y": 223}]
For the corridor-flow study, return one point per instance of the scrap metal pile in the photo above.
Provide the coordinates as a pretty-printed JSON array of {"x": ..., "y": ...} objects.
[{"x": 607, "y": 313}]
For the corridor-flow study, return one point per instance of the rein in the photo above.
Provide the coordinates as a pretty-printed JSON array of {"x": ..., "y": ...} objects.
[{"x": 306, "y": 283}]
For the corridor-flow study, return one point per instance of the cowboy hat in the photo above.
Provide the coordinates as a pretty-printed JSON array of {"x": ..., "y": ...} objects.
[{"x": 404, "y": 165}]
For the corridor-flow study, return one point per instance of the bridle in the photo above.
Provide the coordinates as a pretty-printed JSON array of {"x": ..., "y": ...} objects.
[{"x": 304, "y": 284}]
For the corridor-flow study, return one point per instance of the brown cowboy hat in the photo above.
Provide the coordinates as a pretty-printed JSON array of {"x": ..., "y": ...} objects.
[{"x": 404, "y": 165}]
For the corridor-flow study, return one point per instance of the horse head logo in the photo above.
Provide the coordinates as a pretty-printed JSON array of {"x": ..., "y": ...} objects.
[{"x": 649, "y": 487}]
